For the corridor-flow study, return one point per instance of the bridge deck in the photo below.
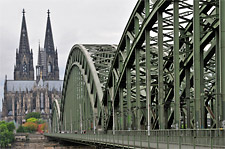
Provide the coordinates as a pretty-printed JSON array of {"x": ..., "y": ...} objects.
[{"x": 135, "y": 139}]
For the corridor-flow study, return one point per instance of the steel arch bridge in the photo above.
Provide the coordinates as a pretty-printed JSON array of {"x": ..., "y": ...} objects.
[{"x": 166, "y": 73}]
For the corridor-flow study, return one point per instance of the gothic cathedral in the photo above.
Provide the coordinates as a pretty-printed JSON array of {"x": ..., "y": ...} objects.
[{"x": 24, "y": 94}]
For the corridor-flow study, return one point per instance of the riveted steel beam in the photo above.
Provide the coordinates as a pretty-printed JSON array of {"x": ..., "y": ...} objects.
[
  {"x": 197, "y": 74},
  {"x": 128, "y": 86},
  {"x": 161, "y": 114},
  {"x": 176, "y": 63},
  {"x": 137, "y": 60},
  {"x": 148, "y": 80},
  {"x": 218, "y": 85},
  {"x": 222, "y": 49}
]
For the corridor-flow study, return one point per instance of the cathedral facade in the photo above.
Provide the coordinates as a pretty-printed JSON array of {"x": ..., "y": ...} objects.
[{"x": 26, "y": 93}]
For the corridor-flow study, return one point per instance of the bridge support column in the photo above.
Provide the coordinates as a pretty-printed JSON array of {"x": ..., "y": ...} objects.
[
  {"x": 128, "y": 82},
  {"x": 222, "y": 49},
  {"x": 146, "y": 8},
  {"x": 148, "y": 79},
  {"x": 113, "y": 105},
  {"x": 187, "y": 92},
  {"x": 78, "y": 102},
  {"x": 120, "y": 59},
  {"x": 197, "y": 67},
  {"x": 65, "y": 123},
  {"x": 83, "y": 104},
  {"x": 121, "y": 109},
  {"x": 71, "y": 121},
  {"x": 81, "y": 123},
  {"x": 176, "y": 64},
  {"x": 188, "y": 86},
  {"x": 76, "y": 99},
  {"x": 137, "y": 60},
  {"x": 94, "y": 126},
  {"x": 160, "y": 75},
  {"x": 202, "y": 84},
  {"x": 218, "y": 87},
  {"x": 148, "y": 70},
  {"x": 129, "y": 115},
  {"x": 85, "y": 109}
]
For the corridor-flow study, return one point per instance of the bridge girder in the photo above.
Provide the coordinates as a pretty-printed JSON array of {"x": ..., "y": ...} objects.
[{"x": 165, "y": 73}]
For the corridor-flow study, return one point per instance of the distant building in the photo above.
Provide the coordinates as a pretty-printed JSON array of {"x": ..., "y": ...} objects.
[{"x": 24, "y": 94}]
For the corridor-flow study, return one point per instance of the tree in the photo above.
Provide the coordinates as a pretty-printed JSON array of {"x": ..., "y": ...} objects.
[
  {"x": 42, "y": 127},
  {"x": 6, "y": 133},
  {"x": 3, "y": 135},
  {"x": 11, "y": 126},
  {"x": 40, "y": 121},
  {"x": 21, "y": 129},
  {"x": 2, "y": 122},
  {"x": 36, "y": 115},
  {"x": 30, "y": 126},
  {"x": 10, "y": 136}
]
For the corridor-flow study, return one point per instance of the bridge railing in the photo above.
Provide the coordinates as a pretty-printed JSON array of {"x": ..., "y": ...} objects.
[{"x": 210, "y": 138}]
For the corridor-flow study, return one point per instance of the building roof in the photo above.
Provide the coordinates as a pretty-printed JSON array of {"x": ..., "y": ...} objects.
[
  {"x": 24, "y": 85},
  {"x": 58, "y": 85},
  {"x": 19, "y": 85}
]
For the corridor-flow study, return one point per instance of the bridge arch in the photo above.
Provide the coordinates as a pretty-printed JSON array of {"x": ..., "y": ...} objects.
[
  {"x": 55, "y": 120},
  {"x": 85, "y": 77},
  {"x": 147, "y": 83}
]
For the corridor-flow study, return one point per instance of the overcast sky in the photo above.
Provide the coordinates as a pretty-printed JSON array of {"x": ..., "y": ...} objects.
[{"x": 73, "y": 22}]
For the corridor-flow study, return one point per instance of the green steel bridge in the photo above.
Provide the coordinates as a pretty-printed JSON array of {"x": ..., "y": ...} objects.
[{"x": 162, "y": 86}]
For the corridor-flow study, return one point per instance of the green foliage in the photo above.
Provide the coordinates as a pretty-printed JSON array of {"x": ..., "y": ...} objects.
[
  {"x": 6, "y": 133},
  {"x": 40, "y": 121},
  {"x": 30, "y": 126},
  {"x": 11, "y": 126},
  {"x": 21, "y": 129},
  {"x": 32, "y": 119},
  {"x": 3, "y": 127},
  {"x": 36, "y": 115},
  {"x": 2, "y": 122},
  {"x": 10, "y": 136}
]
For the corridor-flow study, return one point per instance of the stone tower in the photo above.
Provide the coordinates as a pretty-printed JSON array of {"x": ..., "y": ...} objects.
[
  {"x": 48, "y": 57},
  {"x": 24, "y": 69},
  {"x": 24, "y": 94}
]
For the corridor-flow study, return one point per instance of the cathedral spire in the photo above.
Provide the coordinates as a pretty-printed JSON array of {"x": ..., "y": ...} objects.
[
  {"x": 39, "y": 54},
  {"x": 24, "y": 42},
  {"x": 24, "y": 69},
  {"x": 49, "y": 44}
]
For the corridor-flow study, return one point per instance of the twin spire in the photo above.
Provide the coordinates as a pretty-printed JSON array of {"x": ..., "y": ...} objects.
[
  {"x": 47, "y": 58},
  {"x": 24, "y": 42}
]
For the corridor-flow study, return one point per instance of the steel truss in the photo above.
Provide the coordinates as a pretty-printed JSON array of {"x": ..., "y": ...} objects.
[
  {"x": 167, "y": 72},
  {"x": 85, "y": 78}
]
